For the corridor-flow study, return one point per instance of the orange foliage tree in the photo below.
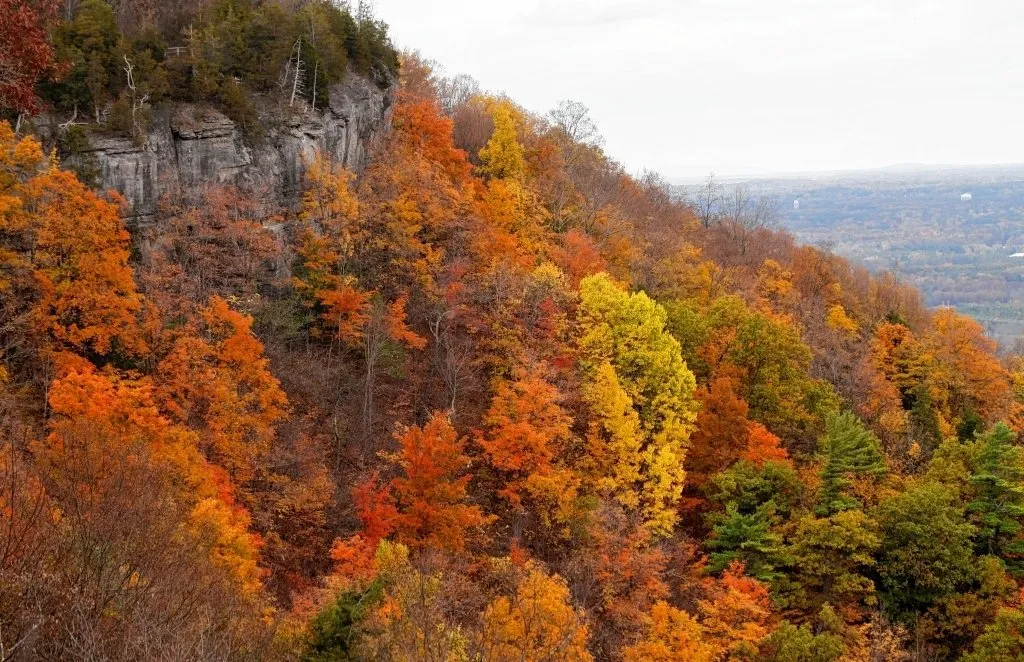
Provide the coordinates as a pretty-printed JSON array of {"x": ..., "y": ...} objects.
[
  {"x": 64, "y": 261},
  {"x": 113, "y": 467},
  {"x": 672, "y": 636},
  {"x": 724, "y": 434},
  {"x": 527, "y": 433},
  {"x": 216, "y": 379},
  {"x": 737, "y": 612},
  {"x": 430, "y": 494}
]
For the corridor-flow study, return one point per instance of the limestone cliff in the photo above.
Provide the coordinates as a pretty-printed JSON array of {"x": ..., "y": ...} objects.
[{"x": 189, "y": 146}]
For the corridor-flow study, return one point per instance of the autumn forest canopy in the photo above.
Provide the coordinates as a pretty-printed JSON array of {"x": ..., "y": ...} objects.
[{"x": 488, "y": 397}]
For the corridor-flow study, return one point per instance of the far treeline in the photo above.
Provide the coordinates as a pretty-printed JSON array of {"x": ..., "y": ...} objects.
[{"x": 492, "y": 398}]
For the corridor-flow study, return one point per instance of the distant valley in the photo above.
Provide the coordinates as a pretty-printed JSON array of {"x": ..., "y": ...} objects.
[{"x": 916, "y": 221}]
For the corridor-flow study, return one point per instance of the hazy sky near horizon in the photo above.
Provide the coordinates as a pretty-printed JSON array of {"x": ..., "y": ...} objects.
[{"x": 749, "y": 86}]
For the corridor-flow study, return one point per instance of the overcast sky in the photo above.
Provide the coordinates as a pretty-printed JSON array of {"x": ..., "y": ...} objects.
[{"x": 749, "y": 86}]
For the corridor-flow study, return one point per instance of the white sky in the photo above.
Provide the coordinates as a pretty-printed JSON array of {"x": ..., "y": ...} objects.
[{"x": 749, "y": 86}]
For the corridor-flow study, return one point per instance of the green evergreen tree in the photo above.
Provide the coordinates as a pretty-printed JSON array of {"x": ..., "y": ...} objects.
[
  {"x": 923, "y": 419},
  {"x": 748, "y": 538},
  {"x": 850, "y": 450},
  {"x": 754, "y": 499},
  {"x": 748, "y": 486},
  {"x": 971, "y": 425},
  {"x": 998, "y": 506},
  {"x": 334, "y": 632},
  {"x": 89, "y": 44}
]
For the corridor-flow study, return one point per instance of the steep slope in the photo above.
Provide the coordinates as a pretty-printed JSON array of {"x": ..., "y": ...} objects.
[{"x": 488, "y": 397}]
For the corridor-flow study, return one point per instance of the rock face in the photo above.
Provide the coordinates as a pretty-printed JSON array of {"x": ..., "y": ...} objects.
[{"x": 191, "y": 146}]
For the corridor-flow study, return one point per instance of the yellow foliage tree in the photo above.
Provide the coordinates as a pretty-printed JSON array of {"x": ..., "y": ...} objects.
[
  {"x": 502, "y": 156},
  {"x": 538, "y": 624},
  {"x": 614, "y": 440},
  {"x": 672, "y": 636},
  {"x": 627, "y": 332},
  {"x": 412, "y": 618},
  {"x": 838, "y": 320}
]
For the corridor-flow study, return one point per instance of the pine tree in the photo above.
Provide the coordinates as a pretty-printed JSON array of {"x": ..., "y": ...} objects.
[
  {"x": 755, "y": 499},
  {"x": 748, "y": 538},
  {"x": 924, "y": 420},
  {"x": 850, "y": 450},
  {"x": 999, "y": 505}
]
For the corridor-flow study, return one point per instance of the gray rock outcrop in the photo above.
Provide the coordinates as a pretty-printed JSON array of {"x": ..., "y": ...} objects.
[{"x": 190, "y": 146}]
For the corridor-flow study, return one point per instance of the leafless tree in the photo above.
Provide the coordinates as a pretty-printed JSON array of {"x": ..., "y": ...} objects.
[
  {"x": 707, "y": 201},
  {"x": 747, "y": 214},
  {"x": 453, "y": 92},
  {"x": 453, "y": 355},
  {"x": 573, "y": 118},
  {"x": 765, "y": 214},
  {"x": 299, "y": 72},
  {"x": 737, "y": 204},
  {"x": 139, "y": 99},
  {"x": 472, "y": 126}
]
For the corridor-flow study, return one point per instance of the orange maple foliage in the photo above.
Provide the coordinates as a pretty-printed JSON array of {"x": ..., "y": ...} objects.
[
  {"x": 346, "y": 311},
  {"x": 420, "y": 128},
  {"x": 527, "y": 429},
  {"x": 737, "y": 613},
  {"x": 415, "y": 192},
  {"x": 396, "y": 325},
  {"x": 430, "y": 494},
  {"x": 627, "y": 568},
  {"x": 81, "y": 262},
  {"x": 354, "y": 557},
  {"x": 577, "y": 256},
  {"x": 67, "y": 249},
  {"x": 967, "y": 367},
  {"x": 537, "y": 623},
  {"x": 672, "y": 636},
  {"x": 763, "y": 446},
  {"x": 216, "y": 379},
  {"x": 106, "y": 432},
  {"x": 722, "y": 433}
]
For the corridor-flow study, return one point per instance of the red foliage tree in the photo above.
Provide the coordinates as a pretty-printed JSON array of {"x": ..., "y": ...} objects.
[
  {"x": 722, "y": 430},
  {"x": 26, "y": 54}
]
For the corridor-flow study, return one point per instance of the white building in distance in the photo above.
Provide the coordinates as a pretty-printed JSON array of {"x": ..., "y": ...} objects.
[
  {"x": 796, "y": 204},
  {"x": 965, "y": 197}
]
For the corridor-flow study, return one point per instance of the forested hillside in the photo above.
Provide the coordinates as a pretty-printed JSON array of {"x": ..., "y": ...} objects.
[{"x": 490, "y": 398}]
